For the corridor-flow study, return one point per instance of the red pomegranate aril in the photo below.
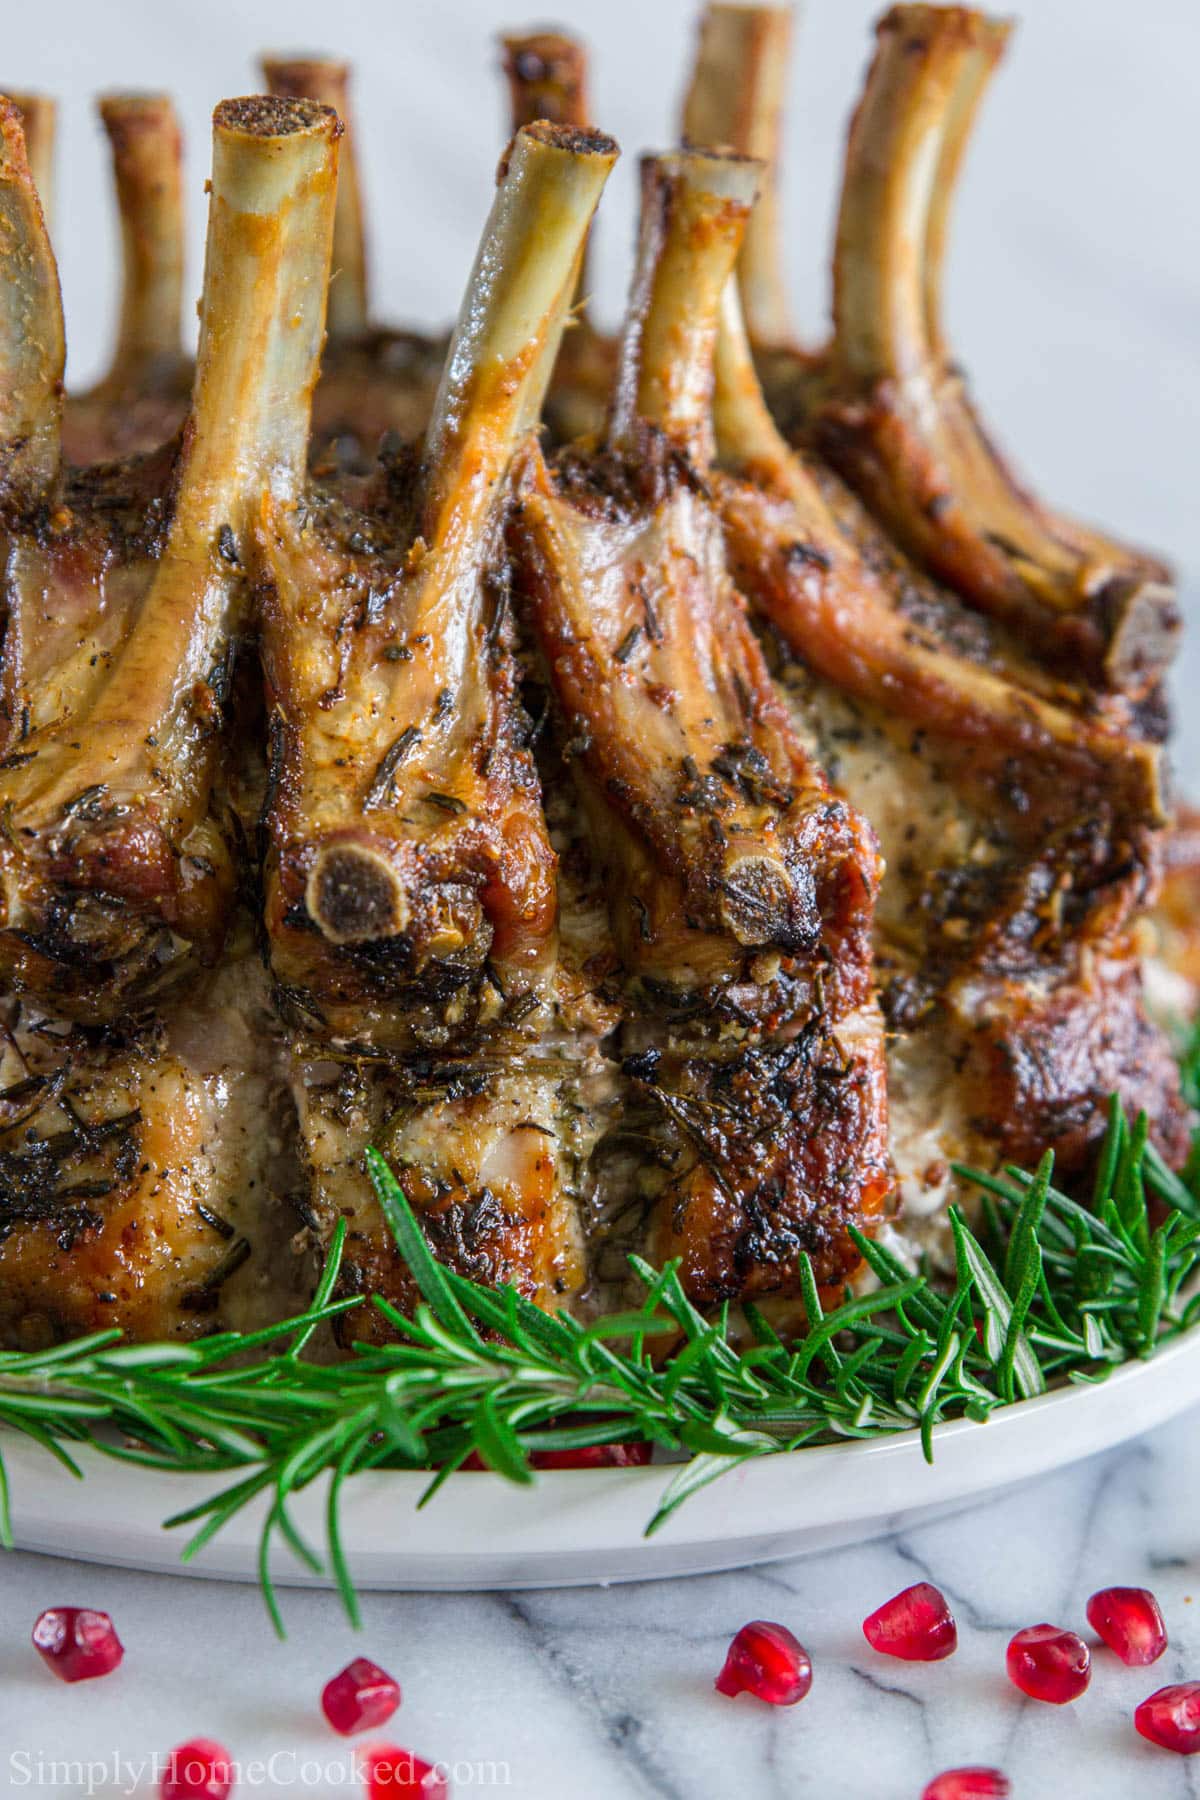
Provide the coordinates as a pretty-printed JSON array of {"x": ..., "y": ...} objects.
[
  {"x": 361, "y": 1698},
  {"x": 77, "y": 1644},
  {"x": 968, "y": 1784},
  {"x": 1128, "y": 1620},
  {"x": 1170, "y": 1718},
  {"x": 594, "y": 1456},
  {"x": 916, "y": 1625},
  {"x": 765, "y": 1660},
  {"x": 198, "y": 1770},
  {"x": 395, "y": 1774},
  {"x": 1049, "y": 1664}
]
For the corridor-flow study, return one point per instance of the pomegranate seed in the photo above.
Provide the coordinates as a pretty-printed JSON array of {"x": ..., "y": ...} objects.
[
  {"x": 594, "y": 1456},
  {"x": 1049, "y": 1664},
  {"x": 394, "y": 1774},
  {"x": 1170, "y": 1718},
  {"x": 916, "y": 1625},
  {"x": 76, "y": 1643},
  {"x": 198, "y": 1770},
  {"x": 968, "y": 1784},
  {"x": 1128, "y": 1620},
  {"x": 765, "y": 1660},
  {"x": 360, "y": 1698}
]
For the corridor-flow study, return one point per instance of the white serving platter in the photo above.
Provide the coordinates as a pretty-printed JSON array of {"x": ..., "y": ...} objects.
[{"x": 583, "y": 1526}]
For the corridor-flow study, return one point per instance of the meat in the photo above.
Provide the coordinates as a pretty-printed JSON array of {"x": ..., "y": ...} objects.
[
  {"x": 739, "y": 889},
  {"x": 408, "y": 848},
  {"x": 145, "y": 1172},
  {"x": 375, "y": 379},
  {"x": 143, "y": 399},
  {"x": 126, "y": 596},
  {"x": 1019, "y": 800},
  {"x": 147, "y": 1147},
  {"x": 886, "y": 398},
  {"x": 410, "y": 880},
  {"x": 689, "y": 829}
]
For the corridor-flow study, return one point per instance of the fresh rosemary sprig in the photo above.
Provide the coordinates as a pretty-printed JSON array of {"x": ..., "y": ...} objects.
[{"x": 1048, "y": 1290}]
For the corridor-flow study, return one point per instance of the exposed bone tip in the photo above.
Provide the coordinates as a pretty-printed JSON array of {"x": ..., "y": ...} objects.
[
  {"x": 274, "y": 116},
  {"x": 709, "y": 171},
  {"x": 747, "y": 10},
  {"x": 1145, "y": 624},
  {"x": 292, "y": 74},
  {"x": 571, "y": 138},
  {"x": 37, "y": 114},
  {"x": 132, "y": 103},
  {"x": 537, "y": 55},
  {"x": 541, "y": 63},
  {"x": 142, "y": 125},
  {"x": 355, "y": 896},
  {"x": 945, "y": 25},
  {"x": 761, "y": 903},
  {"x": 12, "y": 136}
]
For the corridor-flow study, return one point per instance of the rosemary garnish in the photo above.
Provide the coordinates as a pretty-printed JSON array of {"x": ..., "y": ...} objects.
[
  {"x": 1046, "y": 1290},
  {"x": 382, "y": 789}
]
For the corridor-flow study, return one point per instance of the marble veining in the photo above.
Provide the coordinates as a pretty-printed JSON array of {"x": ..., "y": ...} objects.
[{"x": 599, "y": 1694}]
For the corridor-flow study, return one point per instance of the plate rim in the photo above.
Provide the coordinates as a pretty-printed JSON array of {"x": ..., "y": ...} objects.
[{"x": 587, "y": 1525}]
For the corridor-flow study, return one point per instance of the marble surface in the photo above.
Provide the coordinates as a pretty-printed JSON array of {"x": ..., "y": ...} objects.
[{"x": 598, "y": 1694}]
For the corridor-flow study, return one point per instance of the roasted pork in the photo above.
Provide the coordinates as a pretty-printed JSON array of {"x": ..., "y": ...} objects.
[
  {"x": 411, "y": 897},
  {"x": 127, "y": 590},
  {"x": 689, "y": 829},
  {"x": 148, "y": 1146},
  {"x": 1007, "y": 931},
  {"x": 739, "y": 888},
  {"x": 1020, "y": 827},
  {"x": 146, "y": 1172}
]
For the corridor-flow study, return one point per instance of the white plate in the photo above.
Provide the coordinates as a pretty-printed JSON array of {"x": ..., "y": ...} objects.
[{"x": 586, "y": 1525}]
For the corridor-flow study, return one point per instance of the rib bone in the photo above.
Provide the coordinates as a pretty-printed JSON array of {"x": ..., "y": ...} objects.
[
  {"x": 327, "y": 80},
  {"x": 735, "y": 99},
  {"x": 121, "y": 634},
  {"x": 143, "y": 398},
  {"x": 143, "y": 1171},
  {"x": 900, "y": 424},
  {"x": 739, "y": 889},
  {"x": 39, "y": 121},
  {"x": 547, "y": 79},
  {"x": 1020, "y": 826},
  {"x": 32, "y": 346},
  {"x": 408, "y": 846},
  {"x": 374, "y": 379}
]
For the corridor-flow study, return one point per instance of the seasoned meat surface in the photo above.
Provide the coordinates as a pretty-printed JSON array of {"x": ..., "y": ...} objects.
[{"x": 674, "y": 792}]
